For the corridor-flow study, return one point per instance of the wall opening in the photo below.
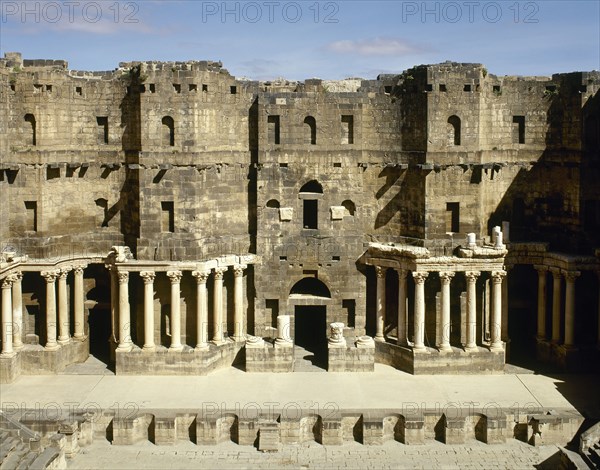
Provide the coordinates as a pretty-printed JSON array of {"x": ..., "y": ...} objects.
[
  {"x": 518, "y": 129},
  {"x": 31, "y": 222},
  {"x": 273, "y": 204},
  {"x": 273, "y": 306},
  {"x": 453, "y": 217},
  {"x": 273, "y": 129},
  {"x": 350, "y": 306},
  {"x": 350, "y": 207},
  {"x": 102, "y": 131},
  {"x": 454, "y": 130},
  {"x": 311, "y": 286},
  {"x": 311, "y": 130},
  {"x": 348, "y": 129},
  {"x": 167, "y": 221},
  {"x": 168, "y": 131},
  {"x": 310, "y": 213},
  {"x": 30, "y": 130}
]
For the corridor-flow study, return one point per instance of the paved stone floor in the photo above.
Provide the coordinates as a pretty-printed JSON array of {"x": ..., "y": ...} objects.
[{"x": 391, "y": 455}]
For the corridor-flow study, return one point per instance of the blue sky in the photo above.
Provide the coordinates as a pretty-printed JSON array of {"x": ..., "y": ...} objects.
[{"x": 304, "y": 39}]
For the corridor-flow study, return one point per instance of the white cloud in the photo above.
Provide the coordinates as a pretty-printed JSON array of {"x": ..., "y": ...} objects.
[{"x": 379, "y": 46}]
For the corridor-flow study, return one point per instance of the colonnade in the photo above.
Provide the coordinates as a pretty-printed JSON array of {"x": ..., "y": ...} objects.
[
  {"x": 446, "y": 277},
  {"x": 120, "y": 307},
  {"x": 556, "y": 335},
  {"x": 58, "y": 324}
]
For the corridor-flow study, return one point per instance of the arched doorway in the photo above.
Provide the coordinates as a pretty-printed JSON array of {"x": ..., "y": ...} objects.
[{"x": 310, "y": 298}]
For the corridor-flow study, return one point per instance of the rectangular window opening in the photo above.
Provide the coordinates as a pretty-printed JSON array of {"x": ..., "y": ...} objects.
[
  {"x": 348, "y": 129},
  {"x": 337, "y": 165},
  {"x": 283, "y": 258},
  {"x": 78, "y": 90},
  {"x": 233, "y": 90},
  {"x": 102, "y": 129},
  {"x": 177, "y": 87},
  {"x": 31, "y": 209},
  {"x": 443, "y": 87},
  {"x": 388, "y": 90},
  {"x": 273, "y": 306},
  {"x": 193, "y": 87},
  {"x": 310, "y": 214},
  {"x": 429, "y": 87},
  {"x": 350, "y": 306},
  {"x": 452, "y": 217},
  {"x": 467, "y": 88},
  {"x": 204, "y": 87},
  {"x": 273, "y": 129},
  {"x": 152, "y": 87},
  {"x": 49, "y": 88},
  {"x": 283, "y": 165},
  {"x": 519, "y": 129},
  {"x": 167, "y": 216}
]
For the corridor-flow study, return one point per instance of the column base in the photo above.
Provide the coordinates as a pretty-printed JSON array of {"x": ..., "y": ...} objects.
[
  {"x": 126, "y": 347},
  {"x": 379, "y": 338},
  {"x": 218, "y": 342},
  {"x": 496, "y": 348},
  {"x": 79, "y": 338},
  {"x": 8, "y": 354},
  {"x": 445, "y": 348},
  {"x": 419, "y": 349},
  {"x": 282, "y": 343},
  {"x": 64, "y": 341},
  {"x": 238, "y": 339},
  {"x": 471, "y": 349},
  {"x": 149, "y": 348},
  {"x": 176, "y": 348},
  {"x": 18, "y": 347},
  {"x": 52, "y": 347},
  {"x": 203, "y": 347}
]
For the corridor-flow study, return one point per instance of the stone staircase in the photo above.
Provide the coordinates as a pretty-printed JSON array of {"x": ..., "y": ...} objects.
[
  {"x": 21, "y": 448},
  {"x": 589, "y": 446}
]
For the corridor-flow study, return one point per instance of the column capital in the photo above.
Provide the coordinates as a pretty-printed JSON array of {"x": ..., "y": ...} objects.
[
  {"x": 572, "y": 275},
  {"x": 175, "y": 276},
  {"x": 201, "y": 276},
  {"x": 16, "y": 276},
  {"x": 497, "y": 276},
  {"x": 556, "y": 272},
  {"x": 123, "y": 276},
  {"x": 7, "y": 282},
  {"x": 446, "y": 276},
  {"x": 49, "y": 276},
  {"x": 148, "y": 276},
  {"x": 219, "y": 273},
  {"x": 238, "y": 270},
  {"x": 78, "y": 269},
  {"x": 472, "y": 275},
  {"x": 380, "y": 271},
  {"x": 540, "y": 268},
  {"x": 419, "y": 277},
  {"x": 64, "y": 272}
]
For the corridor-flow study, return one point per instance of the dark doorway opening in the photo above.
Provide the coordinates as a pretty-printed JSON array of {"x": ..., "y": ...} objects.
[
  {"x": 100, "y": 332},
  {"x": 310, "y": 338}
]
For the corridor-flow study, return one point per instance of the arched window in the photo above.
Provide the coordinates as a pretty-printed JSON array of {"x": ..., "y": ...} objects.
[
  {"x": 350, "y": 207},
  {"x": 311, "y": 130},
  {"x": 273, "y": 204},
  {"x": 30, "y": 130},
  {"x": 454, "y": 130},
  {"x": 310, "y": 286},
  {"x": 310, "y": 194},
  {"x": 168, "y": 131}
]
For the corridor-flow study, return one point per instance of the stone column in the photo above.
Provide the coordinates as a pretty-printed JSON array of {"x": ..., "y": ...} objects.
[
  {"x": 64, "y": 335},
  {"x": 556, "y": 286},
  {"x": 419, "y": 314},
  {"x": 201, "y": 310},
  {"x": 402, "y": 323},
  {"x": 17, "y": 311},
  {"x": 148, "y": 277},
  {"x": 504, "y": 322},
  {"x": 336, "y": 338},
  {"x": 114, "y": 302},
  {"x": 496, "y": 343},
  {"x": 380, "y": 308},
  {"x": 445, "y": 279},
  {"x": 471, "y": 277},
  {"x": 78, "y": 307},
  {"x": 238, "y": 316},
  {"x": 175, "y": 277},
  {"x": 598, "y": 337},
  {"x": 218, "y": 306},
  {"x": 7, "y": 318},
  {"x": 541, "y": 302},
  {"x": 125, "y": 343},
  {"x": 283, "y": 331},
  {"x": 50, "y": 277},
  {"x": 570, "y": 277}
]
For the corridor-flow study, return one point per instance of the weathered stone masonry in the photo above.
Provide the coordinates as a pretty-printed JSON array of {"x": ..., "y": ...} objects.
[{"x": 162, "y": 212}]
